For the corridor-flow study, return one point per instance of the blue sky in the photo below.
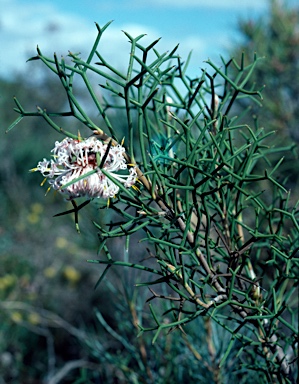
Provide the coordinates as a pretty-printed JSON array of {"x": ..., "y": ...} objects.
[{"x": 208, "y": 27}]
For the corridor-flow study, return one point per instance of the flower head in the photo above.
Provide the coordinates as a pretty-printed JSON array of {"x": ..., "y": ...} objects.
[{"x": 72, "y": 159}]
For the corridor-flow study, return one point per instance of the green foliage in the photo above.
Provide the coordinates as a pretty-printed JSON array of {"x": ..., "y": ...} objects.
[
  {"x": 41, "y": 259},
  {"x": 276, "y": 38},
  {"x": 217, "y": 236}
]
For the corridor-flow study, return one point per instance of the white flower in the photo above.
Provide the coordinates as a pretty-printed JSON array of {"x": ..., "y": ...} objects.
[{"x": 75, "y": 158}]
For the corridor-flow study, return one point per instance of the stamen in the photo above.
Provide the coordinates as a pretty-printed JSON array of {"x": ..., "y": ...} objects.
[{"x": 74, "y": 158}]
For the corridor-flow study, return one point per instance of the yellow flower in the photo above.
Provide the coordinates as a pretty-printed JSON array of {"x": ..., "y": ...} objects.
[
  {"x": 50, "y": 272},
  {"x": 71, "y": 274},
  {"x": 34, "y": 318},
  {"x": 37, "y": 208},
  {"x": 33, "y": 218},
  {"x": 2, "y": 284},
  {"x": 7, "y": 281},
  {"x": 16, "y": 317},
  {"x": 61, "y": 242}
]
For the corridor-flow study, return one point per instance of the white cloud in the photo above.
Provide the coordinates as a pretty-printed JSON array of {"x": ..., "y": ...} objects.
[
  {"x": 232, "y": 4},
  {"x": 183, "y": 4},
  {"x": 24, "y": 26}
]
